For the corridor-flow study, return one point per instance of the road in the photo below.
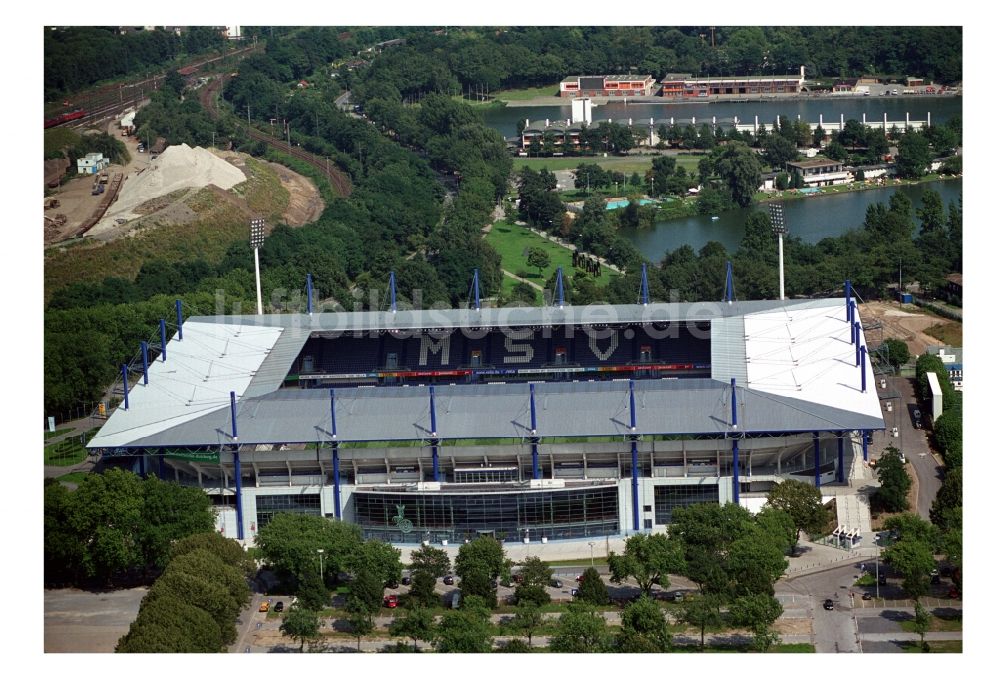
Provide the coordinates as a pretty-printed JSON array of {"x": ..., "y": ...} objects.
[{"x": 834, "y": 631}]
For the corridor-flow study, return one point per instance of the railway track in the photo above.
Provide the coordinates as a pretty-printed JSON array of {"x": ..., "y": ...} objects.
[{"x": 338, "y": 180}]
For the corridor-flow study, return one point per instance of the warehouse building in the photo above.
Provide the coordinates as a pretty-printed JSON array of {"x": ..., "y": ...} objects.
[{"x": 607, "y": 85}]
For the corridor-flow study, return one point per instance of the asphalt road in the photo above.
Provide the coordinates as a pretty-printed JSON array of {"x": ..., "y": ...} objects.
[
  {"x": 834, "y": 631},
  {"x": 78, "y": 621}
]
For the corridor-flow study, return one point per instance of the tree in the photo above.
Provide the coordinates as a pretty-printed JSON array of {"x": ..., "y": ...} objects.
[
  {"x": 757, "y": 612},
  {"x": 527, "y": 619},
  {"x": 302, "y": 624},
  {"x": 644, "y": 628},
  {"x": 802, "y": 502},
  {"x": 422, "y": 589},
  {"x": 646, "y": 557},
  {"x": 895, "y": 482},
  {"x": 914, "y": 155},
  {"x": 360, "y": 619},
  {"x": 538, "y": 258},
  {"x": 592, "y": 589},
  {"x": 416, "y": 623},
  {"x": 580, "y": 630},
  {"x": 739, "y": 169},
  {"x": 365, "y": 591},
  {"x": 948, "y": 437},
  {"x": 921, "y": 624},
  {"x": 312, "y": 593},
  {"x": 753, "y": 564},
  {"x": 483, "y": 552},
  {"x": 380, "y": 558},
  {"x": 515, "y": 645},
  {"x": 289, "y": 542},
  {"x": 948, "y": 500},
  {"x": 897, "y": 352},
  {"x": 464, "y": 631},
  {"x": 702, "y": 611},
  {"x": 914, "y": 560},
  {"x": 433, "y": 561}
]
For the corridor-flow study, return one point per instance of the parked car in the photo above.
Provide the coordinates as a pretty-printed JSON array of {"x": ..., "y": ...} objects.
[
  {"x": 574, "y": 592},
  {"x": 449, "y": 579},
  {"x": 579, "y": 578},
  {"x": 953, "y": 593},
  {"x": 867, "y": 596},
  {"x": 881, "y": 578},
  {"x": 390, "y": 601},
  {"x": 264, "y": 607},
  {"x": 678, "y": 596},
  {"x": 828, "y": 604},
  {"x": 279, "y": 606},
  {"x": 406, "y": 580},
  {"x": 555, "y": 582}
]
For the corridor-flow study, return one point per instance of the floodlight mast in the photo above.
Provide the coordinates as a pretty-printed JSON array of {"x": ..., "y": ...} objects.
[
  {"x": 256, "y": 240},
  {"x": 779, "y": 229}
]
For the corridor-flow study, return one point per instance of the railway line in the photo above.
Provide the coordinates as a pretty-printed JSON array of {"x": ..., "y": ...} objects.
[{"x": 337, "y": 179}]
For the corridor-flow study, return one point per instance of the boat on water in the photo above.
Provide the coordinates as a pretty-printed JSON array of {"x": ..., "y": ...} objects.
[{"x": 715, "y": 218}]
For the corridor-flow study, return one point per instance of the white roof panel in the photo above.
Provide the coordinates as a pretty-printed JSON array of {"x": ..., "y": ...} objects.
[{"x": 200, "y": 371}]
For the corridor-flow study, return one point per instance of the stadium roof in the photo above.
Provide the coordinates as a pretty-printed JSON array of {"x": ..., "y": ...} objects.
[{"x": 793, "y": 363}]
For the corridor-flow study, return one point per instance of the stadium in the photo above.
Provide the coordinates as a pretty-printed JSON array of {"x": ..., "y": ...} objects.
[{"x": 553, "y": 422}]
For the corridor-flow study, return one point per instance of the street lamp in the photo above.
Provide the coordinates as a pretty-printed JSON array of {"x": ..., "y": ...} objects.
[
  {"x": 320, "y": 552},
  {"x": 256, "y": 240},
  {"x": 779, "y": 229},
  {"x": 591, "y": 554}
]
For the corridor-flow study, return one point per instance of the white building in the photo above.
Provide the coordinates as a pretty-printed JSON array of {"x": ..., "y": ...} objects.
[
  {"x": 951, "y": 357},
  {"x": 92, "y": 163},
  {"x": 820, "y": 171}
]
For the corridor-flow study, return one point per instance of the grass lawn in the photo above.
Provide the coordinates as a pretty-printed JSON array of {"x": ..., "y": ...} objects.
[
  {"x": 935, "y": 646},
  {"x": 526, "y": 93},
  {"x": 743, "y": 648},
  {"x": 73, "y": 477},
  {"x": 511, "y": 241},
  {"x": 949, "y": 333},
  {"x": 598, "y": 561},
  {"x": 938, "y": 623},
  {"x": 627, "y": 165},
  {"x": 68, "y": 452},
  {"x": 57, "y": 433}
]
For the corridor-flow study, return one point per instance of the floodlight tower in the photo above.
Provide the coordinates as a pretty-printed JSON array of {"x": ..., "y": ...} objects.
[
  {"x": 256, "y": 240},
  {"x": 778, "y": 226}
]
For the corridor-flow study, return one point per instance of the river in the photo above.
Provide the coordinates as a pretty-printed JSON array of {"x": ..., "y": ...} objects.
[
  {"x": 811, "y": 219},
  {"x": 941, "y": 108}
]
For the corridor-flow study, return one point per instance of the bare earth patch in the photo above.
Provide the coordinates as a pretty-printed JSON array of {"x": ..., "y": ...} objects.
[
  {"x": 905, "y": 325},
  {"x": 304, "y": 204}
]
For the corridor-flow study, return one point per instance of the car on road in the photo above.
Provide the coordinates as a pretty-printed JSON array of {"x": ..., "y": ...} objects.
[
  {"x": 678, "y": 596},
  {"x": 828, "y": 604},
  {"x": 881, "y": 578},
  {"x": 390, "y": 601},
  {"x": 406, "y": 580},
  {"x": 867, "y": 596},
  {"x": 574, "y": 592},
  {"x": 264, "y": 607},
  {"x": 279, "y": 606},
  {"x": 555, "y": 582},
  {"x": 449, "y": 579}
]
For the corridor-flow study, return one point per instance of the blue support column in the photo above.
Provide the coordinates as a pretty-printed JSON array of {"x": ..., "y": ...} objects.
[
  {"x": 144, "y": 347},
  {"x": 125, "y": 383},
  {"x": 336, "y": 454},
  {"x": 236, "y": 468},
  {"x": 475, "y": 287},
  {"x": 864, "y": 371},
  {"x": 644, "y": 287},
  {"x": 857, "y": 344},
  {"x": 392, "y": 290},
  {"x": 847, "y": 299},
  {"x": 864, "y": 445},
  {"x": 559, "y": 287},
  {"x": 535, "y": 471},
  {"x": 816, "y": 457},
  {"x": 634, "y": 439},
  {"x": 309, "y": 292},
  {"x": 434, "y": 439},
  {"x": 736, "y": 444},
  {"x": 851, "y": 306},
  {"x": 180, "y": 320},
  {"x": 163, "y": 339},
  {"x": 840, "y": 457}
]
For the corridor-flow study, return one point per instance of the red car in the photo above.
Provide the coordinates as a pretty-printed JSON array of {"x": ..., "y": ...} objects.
[
  {"x": 953, "y": 592},
  {"x": 390, "y": 601}
]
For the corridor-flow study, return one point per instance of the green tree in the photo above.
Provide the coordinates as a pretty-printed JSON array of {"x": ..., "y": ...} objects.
[
  {"x": 416, "y": 623},
  {"x": 947, "y": 501},
  {"x": 289, "y": 542},
  {"x": 894, "y": 481},
  {"x": 802, "y": 502},
  {"x": 360, "y": 619},
  {"x": 739, "y": 169},
  {"x": 914, "y": 155},
  {"x": 464, "y": 631},
  {"x": 644, "y": 628},
  {"x": 914, "y": 560},
  {"x": 365, "y": 591},
  {"x": 381, "y": 558},
  {"x": 422, "y": 590},
  {"x": 206, "y": 594},
  {"x": 897, "y": 352},
  {"x": 527, "y": 619},
  {"x": 301, "y": 624},
  {"x": 646, "y": 557},
  {"x": 228, "y": 550},
  {"x": 948, "y": 437},
  {"x": 483, "y": 552},
  {"x": 702, "y": 611},
  {"x": 757, "y": 612},
  {"x": 592, "y": 589},
  {"x": 580, "y": 630},
  {"x": 921, "y": 624},
  {"x": 515, "y": 645},
  {"x": 312, "y": 592},
  {"x": 167, "y": 624},
  {"x": 538, "y": 258}
]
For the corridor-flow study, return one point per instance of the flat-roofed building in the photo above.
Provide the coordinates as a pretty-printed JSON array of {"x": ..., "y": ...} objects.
[
  {"x": 607, "y": 85},
  {"x": 680, "y": 86},
  {"x": 820, "y": 171}
]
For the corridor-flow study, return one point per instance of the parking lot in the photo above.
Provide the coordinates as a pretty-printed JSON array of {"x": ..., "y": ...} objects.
[{"x": 79, "y": 621}]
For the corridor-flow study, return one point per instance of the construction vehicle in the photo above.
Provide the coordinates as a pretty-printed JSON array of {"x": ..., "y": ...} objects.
[
  {"x": 52, "y": 204},
  {"x": 104, "y": 177}
]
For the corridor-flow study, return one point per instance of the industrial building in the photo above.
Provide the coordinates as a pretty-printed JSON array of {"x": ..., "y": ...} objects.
[
  {"x": 557, "y": 422},
  {"x": 92, "y": 163},
  {"x": 685, "y": 86},
  {"x": 607, "y": 85}
]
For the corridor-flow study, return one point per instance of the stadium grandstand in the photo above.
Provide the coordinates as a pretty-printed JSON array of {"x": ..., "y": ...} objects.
[{"x": 562, "y": 421}]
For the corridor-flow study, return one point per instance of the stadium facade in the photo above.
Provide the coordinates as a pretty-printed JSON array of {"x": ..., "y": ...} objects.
[{"x": 554, "y": 422}]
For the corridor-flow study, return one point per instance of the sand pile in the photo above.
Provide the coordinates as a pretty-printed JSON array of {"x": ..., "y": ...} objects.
[{"x": 176, "y": 168}]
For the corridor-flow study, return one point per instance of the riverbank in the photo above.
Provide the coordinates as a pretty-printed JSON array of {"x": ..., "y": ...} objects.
[
  {"x": 874, "y": 184},
  {"x": 764, "y": 98}
]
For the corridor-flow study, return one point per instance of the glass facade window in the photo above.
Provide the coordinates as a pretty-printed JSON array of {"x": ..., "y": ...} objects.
[
  {"x": 269, "y": 505},
  {"x": 407, "y": 517},
  {"x": 668, "y": 498}
]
